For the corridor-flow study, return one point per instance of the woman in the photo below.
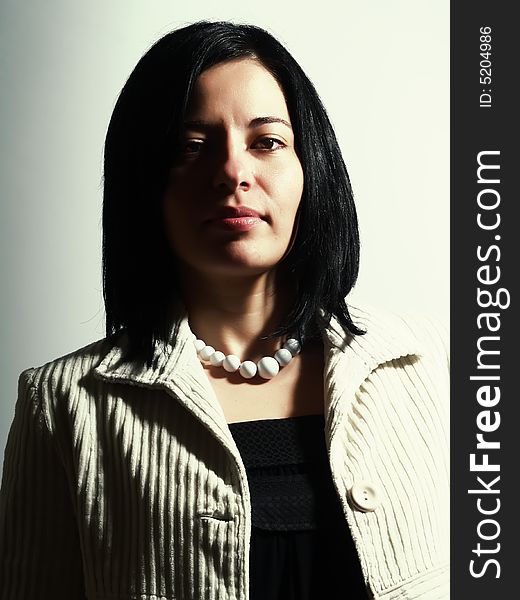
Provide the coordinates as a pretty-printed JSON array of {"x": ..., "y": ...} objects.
[{"x": 240, "y": 432}]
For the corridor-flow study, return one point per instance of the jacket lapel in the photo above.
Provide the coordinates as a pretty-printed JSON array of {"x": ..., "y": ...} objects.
[
  {"x": 348, "y": 362},
  {"x": 175, "y": 369},
  {"x": 350, "y": 359}
]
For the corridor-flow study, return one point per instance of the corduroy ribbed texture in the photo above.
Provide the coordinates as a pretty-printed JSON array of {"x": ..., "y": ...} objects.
[{"x": 123, "y": 482}]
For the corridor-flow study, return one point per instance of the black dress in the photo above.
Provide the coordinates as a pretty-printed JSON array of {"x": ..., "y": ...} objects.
[{"x": 301, "y": 548}]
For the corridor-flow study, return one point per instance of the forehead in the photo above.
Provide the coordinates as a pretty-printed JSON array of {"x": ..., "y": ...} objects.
[{"x": 234, "y": 87}]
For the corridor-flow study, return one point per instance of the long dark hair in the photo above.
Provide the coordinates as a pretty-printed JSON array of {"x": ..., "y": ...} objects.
[{"x": 139, "y": 282}]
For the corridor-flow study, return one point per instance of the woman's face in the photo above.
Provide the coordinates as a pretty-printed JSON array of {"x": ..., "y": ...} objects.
[{"x": 236, "y": 182}]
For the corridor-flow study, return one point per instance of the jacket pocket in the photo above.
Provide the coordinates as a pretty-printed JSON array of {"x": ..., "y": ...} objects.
[{"x": 216, "y": 537}]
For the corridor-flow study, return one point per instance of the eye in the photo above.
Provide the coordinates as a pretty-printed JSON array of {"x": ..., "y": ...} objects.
[
  {"x": 269, "y": 144},
  {"x": 190, "y": 147}
]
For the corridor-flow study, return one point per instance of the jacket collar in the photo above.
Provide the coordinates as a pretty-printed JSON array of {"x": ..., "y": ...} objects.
[
  {"x": 351, "y": 358},
  {"x": 387, "y": 337},
  {"x": 172, "y": 357},
  {"x": 175, "y": 368},
  {"x": 348, "y": 362}
]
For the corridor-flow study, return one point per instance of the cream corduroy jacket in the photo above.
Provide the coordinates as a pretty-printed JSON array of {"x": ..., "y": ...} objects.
[{"x": 124, "y": 482}]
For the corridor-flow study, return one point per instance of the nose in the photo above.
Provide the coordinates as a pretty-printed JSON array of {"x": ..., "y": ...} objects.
[{"x": 233, "y": 169}]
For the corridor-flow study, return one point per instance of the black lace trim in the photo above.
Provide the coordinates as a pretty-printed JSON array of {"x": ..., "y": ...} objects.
[{"x": 288, "y": 472}]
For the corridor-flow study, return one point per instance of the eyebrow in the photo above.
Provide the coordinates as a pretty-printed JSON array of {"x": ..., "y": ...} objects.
[
  {"x": 266, "y": 120},
  {"x": 256, "y": 122}
]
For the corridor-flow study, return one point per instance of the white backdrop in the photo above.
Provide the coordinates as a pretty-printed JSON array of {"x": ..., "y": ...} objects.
[{"x": 381, "y": 68}]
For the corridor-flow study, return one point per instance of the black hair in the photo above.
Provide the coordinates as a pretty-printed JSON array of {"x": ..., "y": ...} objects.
[{"x": 139, "y": 283}]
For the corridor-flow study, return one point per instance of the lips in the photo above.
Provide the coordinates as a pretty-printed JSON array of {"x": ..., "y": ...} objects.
[
  {"x": 235, "y": 212},
  {"x": 235, "y": 218}
]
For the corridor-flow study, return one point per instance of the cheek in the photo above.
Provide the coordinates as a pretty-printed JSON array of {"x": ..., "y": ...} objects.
[
  {"x": 184, "y": 183},
  {"x": 175, "y": 218},
  {"x": 289, "y": 190},
  {"x": 179, "y": 204}
]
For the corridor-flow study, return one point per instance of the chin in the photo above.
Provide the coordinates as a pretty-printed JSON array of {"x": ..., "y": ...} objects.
[
  {"x": 238, "y": 258},
  {"x": 239, "y": 269},
  {"x": 235, "y": 259}
]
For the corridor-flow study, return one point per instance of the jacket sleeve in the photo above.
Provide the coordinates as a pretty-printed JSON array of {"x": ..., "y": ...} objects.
[{"x": 40, "y": 555}]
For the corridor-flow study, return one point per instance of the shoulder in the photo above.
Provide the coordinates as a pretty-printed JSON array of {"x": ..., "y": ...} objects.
[
  {"x": 391, "y": 335},
  {"x": 408, "y": 357},
  {"x": 422, "y": 331},
  {"x": 69, "y": 369}
]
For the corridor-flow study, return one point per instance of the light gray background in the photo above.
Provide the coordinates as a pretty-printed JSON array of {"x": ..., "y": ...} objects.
[{"x": 381, "y": 68}]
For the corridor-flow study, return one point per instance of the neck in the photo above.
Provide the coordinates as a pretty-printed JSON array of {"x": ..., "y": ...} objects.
[{"x": 232, "y": 314}]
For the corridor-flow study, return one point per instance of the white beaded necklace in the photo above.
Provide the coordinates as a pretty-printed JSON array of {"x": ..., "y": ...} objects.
[{"x": 267, "y": 367}]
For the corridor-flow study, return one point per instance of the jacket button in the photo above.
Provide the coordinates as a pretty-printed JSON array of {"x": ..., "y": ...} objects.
[{"x": 364, "y": 496}]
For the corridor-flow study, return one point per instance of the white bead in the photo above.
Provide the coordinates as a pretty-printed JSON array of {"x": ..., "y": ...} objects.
[
  {"x": 268, "y": 367},
  {"x": 248, "y": 369},
  {"x": 293, "y": 346},
  {"x": 231, "y": 363},
  {"x": 206, "y": 352},
  {"x": 217, "y": 358},
  {"x": 283, "y": 356},
  {"x": 199, "y": 344}
]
